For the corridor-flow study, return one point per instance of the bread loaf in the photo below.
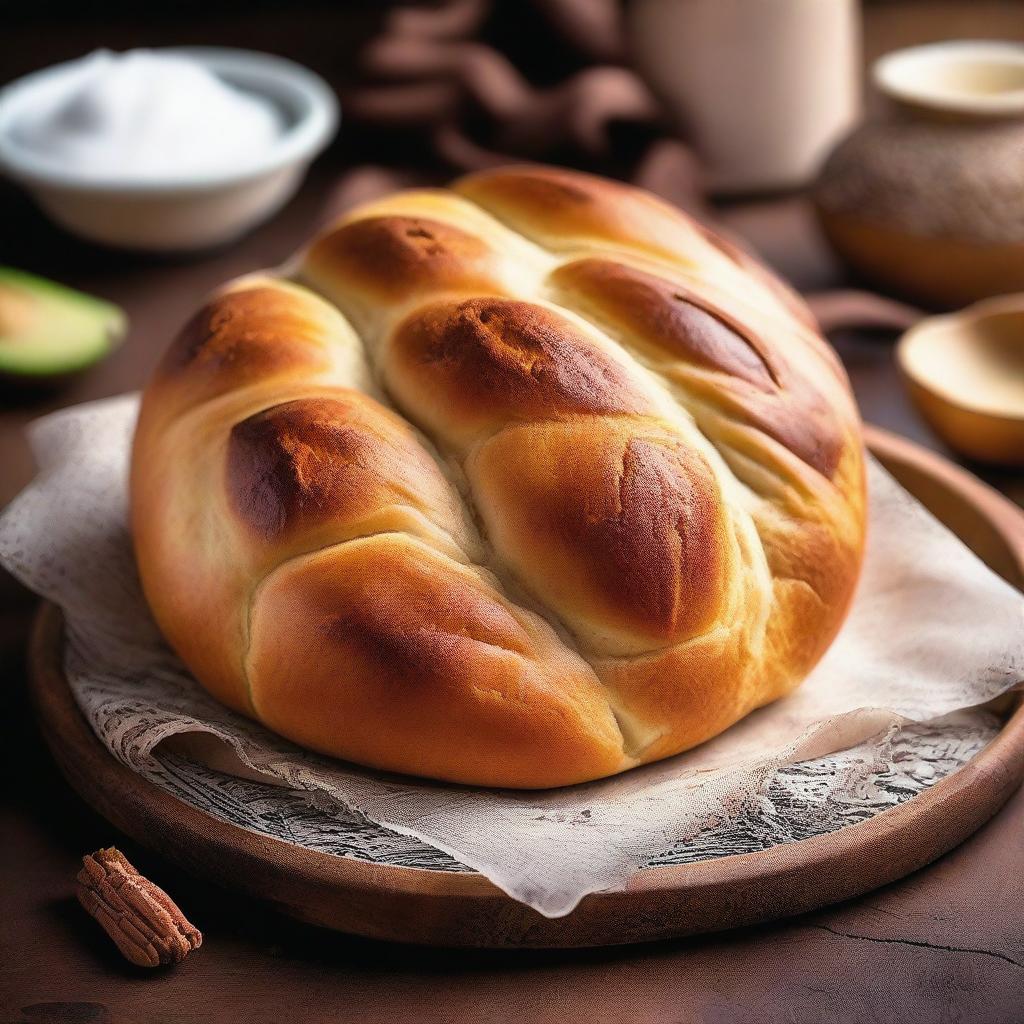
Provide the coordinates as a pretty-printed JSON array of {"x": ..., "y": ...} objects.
[{"x": 519, "y": 483}]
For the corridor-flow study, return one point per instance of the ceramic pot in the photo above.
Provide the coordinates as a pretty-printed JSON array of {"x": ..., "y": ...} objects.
[{"x": 927, "y": 201}]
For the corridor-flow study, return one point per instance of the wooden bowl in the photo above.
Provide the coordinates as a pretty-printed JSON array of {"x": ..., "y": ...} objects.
[
  {"x": 965, "y": 372},
  {"x": 465, "y": 909}
]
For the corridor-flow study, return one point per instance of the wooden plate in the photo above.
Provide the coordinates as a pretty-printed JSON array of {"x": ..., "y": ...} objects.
[{"x": 464, "y": 909}]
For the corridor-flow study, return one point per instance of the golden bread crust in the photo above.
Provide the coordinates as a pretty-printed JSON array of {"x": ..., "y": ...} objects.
[{"x": 521, "y": 484}]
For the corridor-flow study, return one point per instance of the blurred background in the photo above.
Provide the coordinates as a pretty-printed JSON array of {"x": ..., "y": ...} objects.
[{"x": 729, "y": 108}]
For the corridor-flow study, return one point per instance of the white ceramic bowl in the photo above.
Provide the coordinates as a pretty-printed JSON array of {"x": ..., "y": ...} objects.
[
  {"x": 979, "y": 77},
  {"x": 186, "y": 212}
]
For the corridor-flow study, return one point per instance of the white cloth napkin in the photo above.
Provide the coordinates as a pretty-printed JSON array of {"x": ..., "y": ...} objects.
[{"x": 932, "y": 631}]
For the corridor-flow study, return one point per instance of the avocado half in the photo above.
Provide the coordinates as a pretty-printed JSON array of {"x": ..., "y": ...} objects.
[{"x": 47, "y": 330}]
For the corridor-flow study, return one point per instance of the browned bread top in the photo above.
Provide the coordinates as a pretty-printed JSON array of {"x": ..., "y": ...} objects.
[{"x": 520, "y": 483}]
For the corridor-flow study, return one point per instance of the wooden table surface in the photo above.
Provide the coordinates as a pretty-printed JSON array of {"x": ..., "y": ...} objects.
[{"x": 946, "y": 944}]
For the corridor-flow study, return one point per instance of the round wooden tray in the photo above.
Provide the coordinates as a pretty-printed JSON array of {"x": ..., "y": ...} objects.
[{"x": 464, "y": 909}]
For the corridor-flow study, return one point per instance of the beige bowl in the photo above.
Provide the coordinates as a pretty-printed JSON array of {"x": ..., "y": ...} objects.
[{"x": 965, "y": 372}]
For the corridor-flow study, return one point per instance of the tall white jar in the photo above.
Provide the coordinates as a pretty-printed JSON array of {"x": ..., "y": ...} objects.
[{"x": 760, "y": 88}]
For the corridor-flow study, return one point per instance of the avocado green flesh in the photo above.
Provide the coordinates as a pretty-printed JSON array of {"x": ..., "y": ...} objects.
[{"x": 47, "y": 329}]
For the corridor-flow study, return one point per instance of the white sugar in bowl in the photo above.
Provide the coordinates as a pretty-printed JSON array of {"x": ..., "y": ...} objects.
[{"x": 168, "y": 150}]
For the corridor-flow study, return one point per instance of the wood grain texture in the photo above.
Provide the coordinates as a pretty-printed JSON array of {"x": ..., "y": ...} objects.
[{"x": 440, "y": 908}]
